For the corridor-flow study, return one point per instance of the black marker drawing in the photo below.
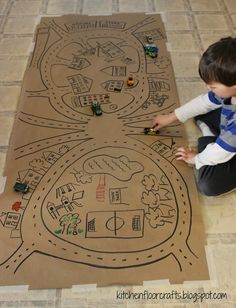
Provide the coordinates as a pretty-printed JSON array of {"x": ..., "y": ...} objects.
[{"x": 99, "y": 178}]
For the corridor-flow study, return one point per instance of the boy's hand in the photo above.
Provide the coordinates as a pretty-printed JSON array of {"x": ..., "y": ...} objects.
[
  {"x": 163, "y": 120},
  {"x": 186, "y": 155}
]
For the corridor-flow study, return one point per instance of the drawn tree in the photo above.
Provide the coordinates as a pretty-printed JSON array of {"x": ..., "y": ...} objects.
[
  {"x": 69, "y": 222},
  {"x": 38, "y": 164}
]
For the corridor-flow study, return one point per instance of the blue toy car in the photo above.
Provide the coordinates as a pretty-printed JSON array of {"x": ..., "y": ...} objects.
[{"x": 151, "y": 50}]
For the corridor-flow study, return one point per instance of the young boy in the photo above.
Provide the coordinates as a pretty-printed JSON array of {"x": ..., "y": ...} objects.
[{"x": 215, "y": 114}]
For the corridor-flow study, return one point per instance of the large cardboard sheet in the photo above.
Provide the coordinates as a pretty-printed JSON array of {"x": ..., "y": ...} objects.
[{"x": 107, "y": 204}]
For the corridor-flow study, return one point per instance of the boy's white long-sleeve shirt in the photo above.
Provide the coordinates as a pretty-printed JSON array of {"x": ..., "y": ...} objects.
[{"x": 213, "y": 154}]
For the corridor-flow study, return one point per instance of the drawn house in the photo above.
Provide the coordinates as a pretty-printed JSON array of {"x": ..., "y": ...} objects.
[
  {"x": 115, "y": 195},
  {"x": 10, "y": 220},
  {"x": 111, "y": 50},
  {"x": 79, "y": 83},
  {"x": 113, "y": 85},
  {"x": 79, "y": 63},
  {"x": 114, "y": 70},
  {"x": 51, "y": 157},
  {"x": 156, "y": 85},
  {"x": 30, "y": 177},
  {"x": 164, "y": 147}
]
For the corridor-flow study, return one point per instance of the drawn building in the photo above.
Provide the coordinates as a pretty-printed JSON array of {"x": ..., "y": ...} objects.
[
  {"x": 164, "y": 147},
  {"x": 10, "y": 220},
  {"x": 111, "y": 50},
  {"x": 158, "y": 85},
  {"x": 79, "y": 63},
  {"x": 115, "y": 195},
  {"x": 30, "y": 177},
  {"x": 51, "y": 157},
  {"x": 101, "y": 189},
  {"x": 115, "y": 70},
  {"x": 79, "y": 83},
  {"x": 113, "y": 85}
]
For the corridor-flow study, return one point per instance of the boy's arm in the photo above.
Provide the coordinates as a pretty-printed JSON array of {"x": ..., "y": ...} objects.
[
  {"x": 199, "y": 105},
  {"x": 213, "y": 154}
]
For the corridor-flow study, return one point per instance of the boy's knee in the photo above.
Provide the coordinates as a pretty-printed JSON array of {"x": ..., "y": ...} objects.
[{"x": 207, "y": 188}]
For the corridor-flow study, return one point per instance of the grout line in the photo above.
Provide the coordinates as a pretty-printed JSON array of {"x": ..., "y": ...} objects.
[
  {"x": 81, "y": 7},
  {"x": 229, "y": 19},
  {"x": 115, "y": 6},
  {"x": 196, "y": 35}
]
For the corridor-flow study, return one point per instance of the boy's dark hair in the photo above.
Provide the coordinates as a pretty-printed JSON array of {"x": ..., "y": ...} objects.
[{"x": 218, "y": 62}]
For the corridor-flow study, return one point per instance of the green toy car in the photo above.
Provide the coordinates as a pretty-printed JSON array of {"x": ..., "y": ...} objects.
[
  {"x": 96, "y": 108},
  {"x": 149, "y": 39},
  {"x": 151, "y": 50}
]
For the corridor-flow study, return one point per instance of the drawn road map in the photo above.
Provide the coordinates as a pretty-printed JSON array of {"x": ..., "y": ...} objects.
[{"x": 106, "y": 204}]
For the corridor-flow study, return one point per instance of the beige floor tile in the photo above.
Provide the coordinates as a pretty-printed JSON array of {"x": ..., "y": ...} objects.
[
  {"x": 9, "y": 97},
  {"x": 223, "y": 256},
  {"x": 15, "y": 46},
  {"x": 176, "y": 21},
  {"x": 6, "y": 127},
  {"x": 2, "y": 6},
  {"x": 208, "y": 39},
  {"x": 133, "y": 6},
  {"x": 59, "y": 7},
  {"x": 219, "y": 213},
  {"x": 31, "y": 298},
  {"x": 19, "y": 25},
  {"x": 220, "y": 305},
  {"x": 231, "y": 5},
  {"x": 187, "y": 42},
  {"x": 189, "y": 90},
  {"x": 2, "y": 162},
  {"x": 97, "y": 7},
  {"x": 185, "y": 64},
  {"x": 169, "y": 5},
  {"x": 234, "y": 19},
  {"x": 12, "y": 70},
  {"x": 211, "y": 22},
  {"x": 205, "y": 5},
  {"x": 25, "y": 8},
  {"x": 192, "y": 133},
  {"x": 186, "y": 92}
]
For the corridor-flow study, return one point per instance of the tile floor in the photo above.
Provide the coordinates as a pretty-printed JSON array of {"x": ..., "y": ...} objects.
[{"x": 194, "y": 23}]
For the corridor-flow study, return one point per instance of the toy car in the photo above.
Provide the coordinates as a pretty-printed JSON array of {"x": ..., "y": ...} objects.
[
  {"x": 130, "y": 81},
  {"x": 21, "y": 187},
  {"x": 147, "y": 130},
  {"x": 96, "y": 108},
  {"x": 149, "y": 39},
  {"x": 151, "y": 50}
]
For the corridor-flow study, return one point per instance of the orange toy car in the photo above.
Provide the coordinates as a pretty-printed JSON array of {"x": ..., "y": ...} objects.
[{"x": 130, "y": 81}]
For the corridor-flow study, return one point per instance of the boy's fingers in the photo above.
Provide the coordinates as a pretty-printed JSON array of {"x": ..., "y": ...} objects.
[
  {"x": 182, "y": 149},
  {"x": 181, "y": 152},
  {"x": 156, "y": 127},
  {"x": 179, "y": 158},
  {"x": 178, "y": 155}
]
